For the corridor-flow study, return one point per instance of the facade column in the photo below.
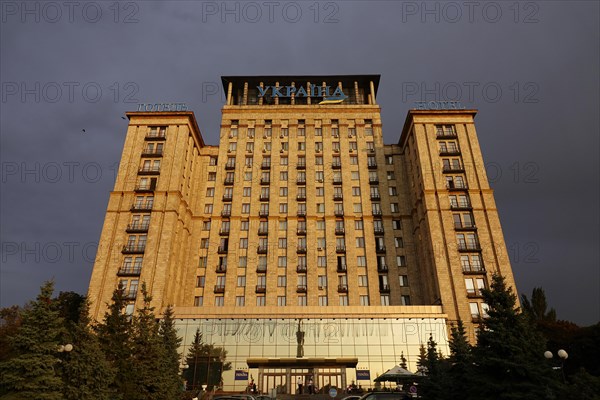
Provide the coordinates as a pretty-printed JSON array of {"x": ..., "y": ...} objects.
[
  {"x": 245, "y": 100},
  {"x": 358, "y": 101},
  {"x": 293, "y": 100},
  {"x": 260, "y": 99},
  {"x": 372, "y": 86},
  {"x": 277, "y": 97},
  {"x": 229, "y": 92},
  {"x": 308, "y": 92}
]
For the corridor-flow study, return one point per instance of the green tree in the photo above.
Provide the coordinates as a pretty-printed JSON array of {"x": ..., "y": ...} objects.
[
  {"x": 434, "y": 385},
  {"x": 85, "y": 372},
  {"x": 32, "y": 373},
  {"x": 403, "y": 361},
  {"x": 461, "y": 363},
  {"x": 509, "y": 353},
  {"x": 114, "y": 337},
  {"x": 206, "y": 364},
  {"x": 10, "y": 321},
  {"x": 170, "y": 343},
  {"x": 537, "y": 308}
]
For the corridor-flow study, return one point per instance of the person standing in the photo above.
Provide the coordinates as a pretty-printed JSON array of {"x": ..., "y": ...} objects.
[
  {"x": 310, "y": 386},
  {"x": 299, "y": 382}
]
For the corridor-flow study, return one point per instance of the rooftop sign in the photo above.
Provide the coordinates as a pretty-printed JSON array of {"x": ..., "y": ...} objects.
[{"x": 315, "y": 91}]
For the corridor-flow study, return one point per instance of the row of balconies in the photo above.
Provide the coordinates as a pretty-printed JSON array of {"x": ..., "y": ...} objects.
[{"x": 301, "y": 288}]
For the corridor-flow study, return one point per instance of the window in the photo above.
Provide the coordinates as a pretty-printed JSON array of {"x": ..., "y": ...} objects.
[
  {"x": 212, "y": 161},
  {"x": 351, "y": 132},
  {"x": 363, "y": 281},
  {"x": 260, "y": 301},
  {"x": 247, "y": 192},
  {"x": 398, "y": 242},
  {"x": 244, "y": 225},
  {"x": 353, "y": 160},
  {"x": 355, "y": 191},
  {"x": 361, "y": 261},
  {"x": 360, "y": 242},
  {"x": 281, "y": 281},
  {"x": 283, "y": 208},
  {"x": 200, "y": 281},
  {"x": 281, "y": 301},
  {"x": 283, "y": 191},
  {"x": 208, "y": 209},
  {"x": 320, "y": 191},
  {"x": 202, "y": 262},
  {"x": 240, "y": 301},
  {"x": 385, "y": 299},
  {"x": 301, "y": 146},
  {"x": 210, "y": 192},
  {"x": 474, "y": 310},
  {"x": 322, "y": 280},
  {"x": 364, "y": 300},
  {"x": 318, "y": 131},
  {"x": 390, "y": 175},
  {"x": 198, "y": 300},
  {"x": 319, "y": 177},
  {"x": 357, "y": 207},
  {"x": 403, "y": 280},
  {"x": 353, "y": 146},
  {"x": 394, "y": 207},
  {"x": 321, "y": 260},
  {"x": 206, "y": 226},
  {"x": 283, "y": 176},
  {"x": 320, "y": 225},
  {"x": 243, "y": 261},
  {"x": 219, "y": 301},
  {"x": 319, "y": 160},
  {"x": 343, "y": 300},
  {"x": 320, "y": 208},
  {"x": 389, "y": 160},
  {"x": 405, "y": 300},
  {"x": 249, "y": 161},
  {"x": 251, "y": 132},
  {"x": 204, "y": 243},
  {"x": 322, "y": 300},
  {"x": 401, "y": 261},
  {"x": 283, "y": 160},
  {"x": 393, "y": 191},
  {"x": 282, "y": 242},
  {"x": 302, "y": 300},
  {"x": 241, "y": 281},
  {"x": 250, "y": 148},
  {"x": 355, "y": 175},
  {"x": 243, "y": 243},
  {"x": 396, "y": 224},
  {"x": 301, "y": 132},
  {"x": 232, "y": 147},
  {"x": 246, "y": 208},
  {"x": 358, "y": 224},
  {"x": 282, "y": 261},
  {"x": 283, "y": 225},
  {"x": 318, "y": 147}
]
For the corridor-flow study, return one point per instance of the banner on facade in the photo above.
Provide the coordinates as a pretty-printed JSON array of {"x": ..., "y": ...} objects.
[
  {"x": 241, "y": 375},
  {"x": 363, "y": 375}
]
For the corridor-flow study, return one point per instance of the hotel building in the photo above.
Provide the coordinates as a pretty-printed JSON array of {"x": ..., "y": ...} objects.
[{"x": 302, "y": 243}]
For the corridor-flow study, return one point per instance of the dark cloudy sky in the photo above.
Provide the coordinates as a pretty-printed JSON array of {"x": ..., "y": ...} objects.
[{"x": 531, "y": 68}]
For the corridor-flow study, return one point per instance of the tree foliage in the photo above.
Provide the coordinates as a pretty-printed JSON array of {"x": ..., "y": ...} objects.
[{"x": 205, "y": 364}]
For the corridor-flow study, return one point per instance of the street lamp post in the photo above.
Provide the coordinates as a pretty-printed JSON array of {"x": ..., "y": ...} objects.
[{"x": 563, "y": 355}]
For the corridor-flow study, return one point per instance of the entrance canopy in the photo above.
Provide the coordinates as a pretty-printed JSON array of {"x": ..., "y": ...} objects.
[{"x": 301, "y": 362}]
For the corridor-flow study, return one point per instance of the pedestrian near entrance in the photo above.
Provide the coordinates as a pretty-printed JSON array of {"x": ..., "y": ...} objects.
[
  {"x": 310, "y": 386},
  {"x": 299, "y": 381}
]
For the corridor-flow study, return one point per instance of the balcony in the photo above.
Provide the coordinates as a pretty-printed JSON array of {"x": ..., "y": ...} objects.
[
  {"x": 473, "y": 269},
  {"x": 301, "y": 250},
  {"x": 336, "y": 165},
  {"x": 228, "y": 182},
  {"x": 262, "y": 249},
  {"x": 373, "y": 180},
  {"x": 469, "y": 247},
  {"x": 133, "y": 249},
  {"x": 152, "y": 153},
  {"x": 338, "y": 213},
  {"x": 222, "y": 250},
  {"x": 377, "y": 213},
  {"x": 129, "y": 294},
  {"x": 260, "y": 289},
  {"x": 265, "y": 165},
  {"x": 449, "y": 152},
  {"x": 380, "y": 249},
  {"x": 340, "y": 249},
  {"x": 265, "y": 181},
  {"x": 378, "y": 230},
  {"x": 301, "y": 232},
  {"x": 301, "y": 213},
  {"x": 301, "y": 181},
  {"x": 476, "y": 318},
  {"x": 474, "y": 293},
  {"x": 372, "y": 165},
  {"x": 375, "y": 196},
  {"x": 338, "y": 196},
  {"x": 453, "y": 169},
  {"x": 445, "y": 135},
  {"x": 264, "y": 197},
  {"x": 224, "y": 232},
  {"x": 227, "y": 197},
  {"x": 342, "y": 288},
  {"x": 340, "y": 231},
  {"x": 301, "y": 166},
  {"x": 382, "y": 268},
  {"x": 451, "y": 186},
  {"x": 301, "y": 197},
  {"x": 159, "y": 135},
  {"x": 462, "y": 206},
  {"x": 219, "y": 289},
  {"x": 129, "y": 271},
  {"x": 145, "y": 188},
  {"x": 229, "y": 166},
  {"x": 301, "y": 289},
  {"x": 137, "y": 227},
  {"x": 147, "y": 206},
  {"x": 342, "y": 268},
  {"x": 384, "y": 288},
  {"x": 226, "y": 213},
  {"x": 149, "y": 171},
  {"x": 263, "y": 231},
  {"x": 459, "y": 226},
  {"x": 263, "y": 213},
  {"x": 221, "y": 269},
  {"x": 261, "y": 268},
  {"x": 301, "y": 269},
  {"x": 337, "y": 181}
]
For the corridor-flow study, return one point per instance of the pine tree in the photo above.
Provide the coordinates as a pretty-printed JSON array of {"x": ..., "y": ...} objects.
[
  {"x": 403, "y": 361},
  {"x": 85, "y": 372},
  {"x": 538, "y": 307},
  {"x": 461, "y": 363},
  {"x": 149, "y": 355},
  {"x": 434, "y": 385},
  {"x": 171, "y": 343},
  {"x": 33, "y": 372},
  {"x": 114, "y": 337},
  {"x": 509, "y": 353},
  {"x": 206, "y": 364}
]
